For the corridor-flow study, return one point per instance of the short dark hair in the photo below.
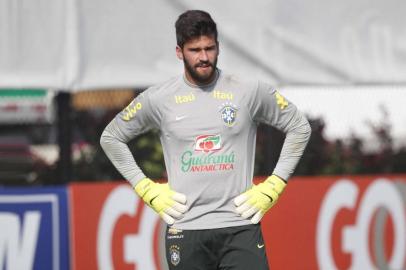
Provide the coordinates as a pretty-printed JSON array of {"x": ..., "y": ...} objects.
[{"x": 192, "y": 24}]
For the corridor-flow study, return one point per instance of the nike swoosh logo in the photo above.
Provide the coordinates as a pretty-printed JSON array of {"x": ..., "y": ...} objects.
[
  {"x": 260, "y": 246},
  {"x": 177, "y": 118}
]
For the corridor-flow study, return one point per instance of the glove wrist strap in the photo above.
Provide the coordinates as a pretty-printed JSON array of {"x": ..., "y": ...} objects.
[
  {"x": 143, "y": 186},
  {"x": 276, "y": 184}
]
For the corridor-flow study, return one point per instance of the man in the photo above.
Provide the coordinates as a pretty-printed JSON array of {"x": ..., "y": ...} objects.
[{"x": 207, "y": 121}]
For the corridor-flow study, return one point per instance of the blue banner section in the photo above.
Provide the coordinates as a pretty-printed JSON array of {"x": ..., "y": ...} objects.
[{"x": 34, "y": 228}]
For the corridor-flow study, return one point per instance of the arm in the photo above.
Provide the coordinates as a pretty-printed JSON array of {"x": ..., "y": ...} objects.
[
  {"x": 268, "y": 106},
  {"x": 135, "y": 119},
  {"x": 140, "y": 116},
  {"x": 114, "y": 144}
]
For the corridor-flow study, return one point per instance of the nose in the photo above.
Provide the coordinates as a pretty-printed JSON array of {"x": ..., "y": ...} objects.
[{"x": 203, "y": 56}]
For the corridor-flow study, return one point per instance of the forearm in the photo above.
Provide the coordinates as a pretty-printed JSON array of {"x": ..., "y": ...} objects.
[
  {"x": 116, "y": 149},
  {"x": 294, "y": 145}
]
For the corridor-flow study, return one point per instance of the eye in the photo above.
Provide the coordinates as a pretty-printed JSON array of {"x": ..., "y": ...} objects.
[{"x": 211, "y": 48}]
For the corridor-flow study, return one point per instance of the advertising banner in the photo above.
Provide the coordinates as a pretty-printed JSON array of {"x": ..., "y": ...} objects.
[
  {"x": 34, "y": 228},
  {"x": 354, "y": 222},
  {"x": 113, "y": 229},
  {"x": 349, "y": 222}
]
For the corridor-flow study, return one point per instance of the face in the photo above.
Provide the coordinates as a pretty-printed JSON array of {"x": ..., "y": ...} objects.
[{"x": 199, "y": 56}]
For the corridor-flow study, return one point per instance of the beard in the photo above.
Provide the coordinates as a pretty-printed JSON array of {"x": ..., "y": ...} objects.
[{"x": 201, "y": 78}]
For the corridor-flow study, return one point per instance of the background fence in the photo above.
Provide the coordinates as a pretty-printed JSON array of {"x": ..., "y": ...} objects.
[{"x": 30, "y": 141}]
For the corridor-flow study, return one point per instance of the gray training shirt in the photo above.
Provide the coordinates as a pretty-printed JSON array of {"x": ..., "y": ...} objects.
[{"x": 208, "y": 137}]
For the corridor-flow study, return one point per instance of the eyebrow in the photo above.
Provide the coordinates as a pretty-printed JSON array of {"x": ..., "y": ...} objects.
[{"x": 199, "y": 48}]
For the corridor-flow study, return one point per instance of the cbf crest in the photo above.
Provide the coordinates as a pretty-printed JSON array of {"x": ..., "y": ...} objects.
[
  {"x": 174, "y": 253},
  {"x": 228, "y": 112}
]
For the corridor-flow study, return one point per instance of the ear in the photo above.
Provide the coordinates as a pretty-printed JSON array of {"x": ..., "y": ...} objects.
[{"x": 179, "y": 53}]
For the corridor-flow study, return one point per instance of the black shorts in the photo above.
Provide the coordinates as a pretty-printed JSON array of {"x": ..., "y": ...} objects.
[{"x": 231, "y": 248}]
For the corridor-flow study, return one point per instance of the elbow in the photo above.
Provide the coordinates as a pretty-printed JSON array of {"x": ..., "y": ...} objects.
[
  {"x": 107, "y": 136},
  {"x": 110, "y": 137},
  {"x": 302, "y": 129},
  {"x": 103, "y": 139},
  {"x": 300, "y": 126},
  {"x": 307, "y": 129}
]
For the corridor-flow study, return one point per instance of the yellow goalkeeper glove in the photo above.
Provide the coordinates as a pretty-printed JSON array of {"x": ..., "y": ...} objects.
[
  {"x": 160, "y": 197},
  {"x": 256, "y": 201}
]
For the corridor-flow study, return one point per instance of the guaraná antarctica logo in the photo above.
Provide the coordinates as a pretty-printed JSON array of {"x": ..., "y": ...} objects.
[
  {"x": 206, "y": 156},
  {"x": 207, "y": 143}
]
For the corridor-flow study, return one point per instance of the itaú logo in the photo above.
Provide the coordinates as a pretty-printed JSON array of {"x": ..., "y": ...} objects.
[{"x": 364, "y": 240}]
